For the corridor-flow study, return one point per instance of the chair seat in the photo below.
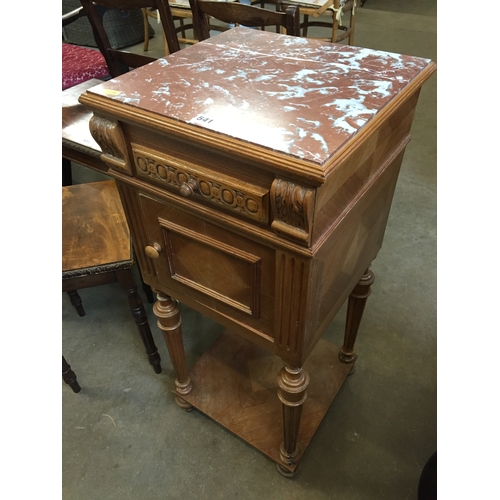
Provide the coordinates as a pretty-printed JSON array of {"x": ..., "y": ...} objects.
[
  {"x": 97, "y": 250},
  {"x": 80, "y": 64},
  {"x": 96, "y": 237}
]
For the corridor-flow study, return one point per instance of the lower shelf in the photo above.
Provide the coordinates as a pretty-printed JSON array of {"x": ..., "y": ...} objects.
[{"x": 234, "y": 383}]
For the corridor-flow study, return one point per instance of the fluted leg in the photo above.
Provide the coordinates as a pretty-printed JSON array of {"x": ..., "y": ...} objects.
[
  {"x": 355, "y": 308},
  {"x": 127, "y": 284},
  {"x": 69, "y": 376},
  {"x": 167, "y": 311},
  {"x": 292, "y": 385}
]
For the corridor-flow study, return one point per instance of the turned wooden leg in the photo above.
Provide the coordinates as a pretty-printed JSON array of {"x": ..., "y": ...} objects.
[
  {"x": 145, "y": 287},
  {"x": 69, "y": 376},
  {"x": 127, "y": 284},
  {"x": 167, "y": 311},
  {"x": 292, "y": 385},
  {"x": 67, "y": 179},
  {"x": 76, "y": 301},
  {"x": 355, "y": 308},
  {"x": 146, "y": 30},
  {"x": 149, "y": 293}
]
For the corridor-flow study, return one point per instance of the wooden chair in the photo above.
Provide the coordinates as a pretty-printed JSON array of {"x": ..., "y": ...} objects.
[
  {"x": 79, "y": 64},
  {"x": 96, "y": 250},
  {"x": 337, "y": 10},
  {"x": 181, "y": 12},
  {"x": 82, "y": 63},
  {"x": 121, "y": 61},
  {"x": 244, "y": 15}
]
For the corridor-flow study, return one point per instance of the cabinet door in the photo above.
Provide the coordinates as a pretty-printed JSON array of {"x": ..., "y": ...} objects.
[{"x": 224, "y": 271}]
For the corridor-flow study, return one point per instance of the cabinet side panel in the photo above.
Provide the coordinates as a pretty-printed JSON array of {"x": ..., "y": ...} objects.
[
  {"x": 352, "y": 175},
  {"x": 350, "y": 248}
]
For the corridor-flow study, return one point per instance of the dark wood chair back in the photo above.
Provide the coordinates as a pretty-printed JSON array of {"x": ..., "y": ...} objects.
[
  {"x": 120, "y": 61},
  {"x": 244, "y": 15}
]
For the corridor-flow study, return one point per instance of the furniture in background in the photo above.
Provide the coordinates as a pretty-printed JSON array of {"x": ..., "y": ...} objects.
[
  {"x": 96, "y": 250},
  {"x": 427, "y": 484},
  {"x": 79, "y": 64},
  {"x": 121, "y": 61},
  {"x": 259, "y": 197},
  {"x": 146, "y": 14},
  {"x": 69, "y": 376},
  {"x": 124, "y": 27},
  {"x": 245, "y": 15},
  {"x": 337, "y": 10},
  {"x": 78, "y": 145},
  {"x": 181, "y": 13},
  {"x": 82, "y": 63}
]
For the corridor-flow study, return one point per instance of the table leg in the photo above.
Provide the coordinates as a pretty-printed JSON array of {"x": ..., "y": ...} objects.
[
  {"x": 355, "y": 308},
  {"x": 292, "y": 383},
  {"x": 167, "y": 311},
  {"x": 128, "y": 285}
]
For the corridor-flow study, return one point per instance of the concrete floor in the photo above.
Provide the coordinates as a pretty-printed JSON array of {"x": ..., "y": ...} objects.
[{"x": 124, "y": 437}]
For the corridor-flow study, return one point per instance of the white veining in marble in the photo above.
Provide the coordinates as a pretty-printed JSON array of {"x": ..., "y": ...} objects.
[{"x": 299, "y": 96}]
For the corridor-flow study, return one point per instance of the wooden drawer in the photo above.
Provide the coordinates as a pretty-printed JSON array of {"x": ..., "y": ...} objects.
[
  {"x": 202, "y": 184},
  {"x": 230, "y": 274}
]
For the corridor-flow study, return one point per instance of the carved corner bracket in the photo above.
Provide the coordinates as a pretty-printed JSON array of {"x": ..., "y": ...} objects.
[
  {"x": 109, "y": 135},
  {"x": 293, "y": 208}
]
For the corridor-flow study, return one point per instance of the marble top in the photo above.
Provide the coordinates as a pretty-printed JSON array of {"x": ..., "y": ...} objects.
[{"x": 297, "y": 96}]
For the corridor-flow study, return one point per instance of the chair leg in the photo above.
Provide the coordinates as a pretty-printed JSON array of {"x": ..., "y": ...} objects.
[
  {"x": 127, "y": 284},
  {"x": 76, "y": 301},
  {"x": 69, "y": 376},
  {"x": 145, "y": 287},
  {"x": 67, "y": 178},
  {"x": 149, "y": 293},
  {"x": 352, "y": 23},
  {"x": 146, "y": 30}
]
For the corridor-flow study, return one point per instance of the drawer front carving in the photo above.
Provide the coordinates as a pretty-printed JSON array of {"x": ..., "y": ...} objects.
[{"x": 202, "y": 184}]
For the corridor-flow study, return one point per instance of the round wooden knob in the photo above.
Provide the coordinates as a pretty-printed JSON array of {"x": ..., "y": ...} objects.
[
  {"x": 188, "y": 188},
  {"x": 153, "y": 252}
]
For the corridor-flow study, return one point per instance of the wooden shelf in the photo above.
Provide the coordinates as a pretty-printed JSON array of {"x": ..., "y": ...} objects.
[{"x": 234, "y": 383}]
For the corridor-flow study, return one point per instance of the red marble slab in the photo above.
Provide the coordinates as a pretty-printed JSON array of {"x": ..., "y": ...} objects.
[{"x": 297, "y": 96}]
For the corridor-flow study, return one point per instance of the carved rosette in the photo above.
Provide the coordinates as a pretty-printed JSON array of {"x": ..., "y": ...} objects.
[
  {"x": 109, "y": 135},
  {"x": 293, "y": 207}
]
